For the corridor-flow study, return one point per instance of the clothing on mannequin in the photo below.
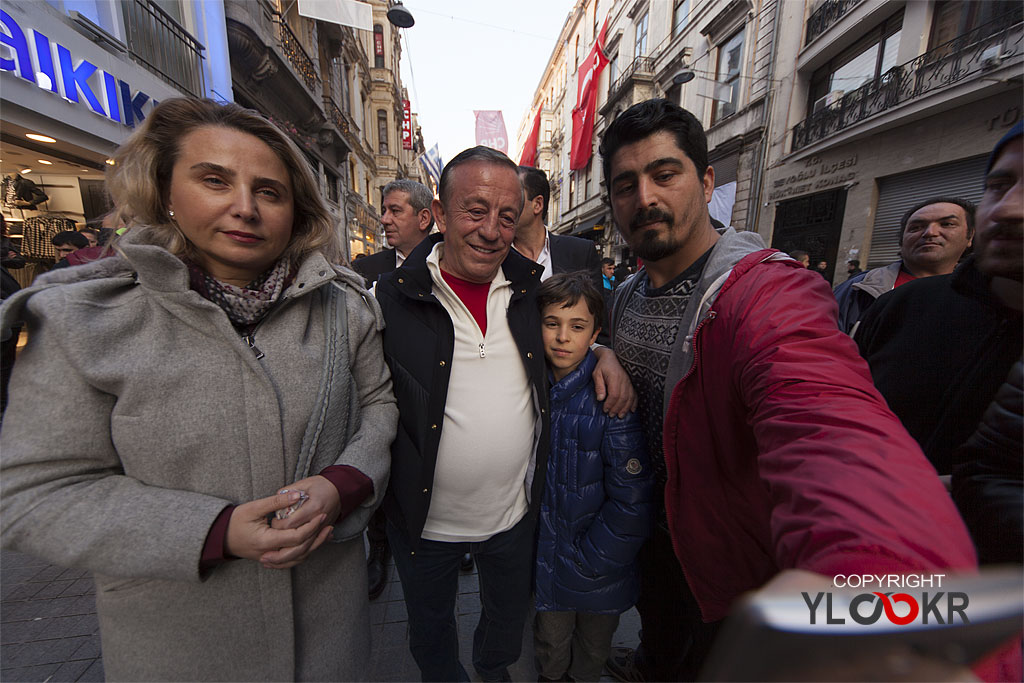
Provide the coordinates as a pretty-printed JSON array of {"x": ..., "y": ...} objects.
[{"x": 19, "y": 192}]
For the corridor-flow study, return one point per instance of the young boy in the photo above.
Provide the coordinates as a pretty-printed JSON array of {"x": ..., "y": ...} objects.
[{"x": 596, "y": 511}]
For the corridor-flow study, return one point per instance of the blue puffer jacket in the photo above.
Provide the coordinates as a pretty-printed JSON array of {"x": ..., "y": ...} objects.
[{"x": 596, "y": 510}]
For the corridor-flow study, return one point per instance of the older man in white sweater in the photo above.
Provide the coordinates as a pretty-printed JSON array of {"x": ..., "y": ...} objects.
[{"x": 463, "y": 342}]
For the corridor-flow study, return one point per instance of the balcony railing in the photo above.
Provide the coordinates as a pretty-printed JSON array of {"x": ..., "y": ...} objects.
[
  {"x": 825, "y": 16},
  {"x": 164, "y": 46},
  {"x": 297, "y": 55},
  {"x": 340, "y": 119},
  {"x": 639, "y": 65},
  {"x": 966, "y": 56}
]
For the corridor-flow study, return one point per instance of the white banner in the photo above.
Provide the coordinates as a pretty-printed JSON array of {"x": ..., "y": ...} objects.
[
  {"x": 345, "y": 12},
  {"x": 722, "y": 201}
]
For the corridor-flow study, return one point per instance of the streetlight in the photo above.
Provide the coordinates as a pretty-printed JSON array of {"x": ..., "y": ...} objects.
[{"x": 399, "y": 15}]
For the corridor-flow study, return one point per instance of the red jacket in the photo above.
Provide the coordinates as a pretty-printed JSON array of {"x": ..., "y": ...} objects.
[{"x": 781, "y": 454}]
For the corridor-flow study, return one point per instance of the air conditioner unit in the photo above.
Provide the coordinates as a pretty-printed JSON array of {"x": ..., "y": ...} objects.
[
  {"x": 828, "y": 100},
  {"x": 992, "y": 57}
]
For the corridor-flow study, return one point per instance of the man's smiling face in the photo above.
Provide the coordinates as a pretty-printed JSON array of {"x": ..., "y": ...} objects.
[{"x": 479, "y": 219}]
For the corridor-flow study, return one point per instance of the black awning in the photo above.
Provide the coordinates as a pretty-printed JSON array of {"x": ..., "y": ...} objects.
[{"x": 588, "y": 225}]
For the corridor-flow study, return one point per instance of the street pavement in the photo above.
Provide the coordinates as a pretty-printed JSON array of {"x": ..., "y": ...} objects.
[{"x": 49, "y": 632}]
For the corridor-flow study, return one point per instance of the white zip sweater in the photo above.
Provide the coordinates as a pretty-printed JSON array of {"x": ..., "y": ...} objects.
[{"x": 488, "y": 433}]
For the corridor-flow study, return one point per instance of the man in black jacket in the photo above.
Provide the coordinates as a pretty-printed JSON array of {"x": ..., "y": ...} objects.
[
  {"x": 407, "y": 221},
  {"x": 557, "y": 253},
  {"x": 940, "y": 347},
  {"x": 463, "y": 341}
]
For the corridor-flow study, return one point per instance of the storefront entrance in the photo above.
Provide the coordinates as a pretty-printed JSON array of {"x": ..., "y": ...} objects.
[{"x": 812, "y": 223}]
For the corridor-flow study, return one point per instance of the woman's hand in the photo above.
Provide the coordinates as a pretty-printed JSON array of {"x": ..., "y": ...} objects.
[
  {"x": 323, "y": 500},
  {"x": 322, "y": 508},
  {"x": 249, "y": 536}
]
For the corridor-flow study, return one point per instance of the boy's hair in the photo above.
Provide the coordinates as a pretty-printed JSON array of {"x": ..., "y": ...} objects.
[
  {"x": 72, "y": 237},
  {"x": 607, "y": 261},
  {"x": 568, "y": 288}
]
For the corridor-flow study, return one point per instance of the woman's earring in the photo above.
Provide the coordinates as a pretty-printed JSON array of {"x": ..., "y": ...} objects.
[{"x": 171, "y": 214}]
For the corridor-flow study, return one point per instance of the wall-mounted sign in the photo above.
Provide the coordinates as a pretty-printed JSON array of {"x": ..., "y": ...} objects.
[
  {"x": 406, "y": 125},
  {"x": 52, "y": 67},
  {"x": 815, "y": 176}
]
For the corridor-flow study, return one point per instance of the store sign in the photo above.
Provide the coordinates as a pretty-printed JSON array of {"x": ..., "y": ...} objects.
[
  {"x": 52, "y": 67},
  {"x": 406, "y": 125},
  {"x": 815, "y": 175}
]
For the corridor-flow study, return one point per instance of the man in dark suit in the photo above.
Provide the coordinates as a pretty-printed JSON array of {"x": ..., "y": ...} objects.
[
  {"x": 557, "y": 253},
  {"x": 406, "y": 220}
]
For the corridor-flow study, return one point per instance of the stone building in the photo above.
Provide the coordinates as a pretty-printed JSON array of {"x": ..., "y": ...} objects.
[
  {"x": 337, "y": 91},
  {"x": 880, "y": 105},
  {"x": 711, "y": 57}
]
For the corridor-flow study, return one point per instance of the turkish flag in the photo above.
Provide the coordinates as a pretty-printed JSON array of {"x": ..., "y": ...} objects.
[
  {"x": 529, "y": 157},
  {"x": 586, "y": 103}
]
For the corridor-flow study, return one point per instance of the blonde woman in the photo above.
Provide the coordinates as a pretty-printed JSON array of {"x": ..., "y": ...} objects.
[{"x": 168, "y": 394}]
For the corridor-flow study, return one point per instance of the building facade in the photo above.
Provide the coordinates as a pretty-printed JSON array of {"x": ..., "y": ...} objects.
[
  {"x": 825, "y": 119},
  {"x": 337, "y": 91},
  {"x": 713, "y": 57},
  {"x": 884, "y": 104}
]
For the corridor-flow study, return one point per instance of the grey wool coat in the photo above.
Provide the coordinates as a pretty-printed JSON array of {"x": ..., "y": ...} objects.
[{"x": 137, "y": 414}]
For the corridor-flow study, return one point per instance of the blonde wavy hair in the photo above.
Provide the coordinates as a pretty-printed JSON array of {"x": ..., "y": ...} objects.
[{"x": 139, "y": 182}]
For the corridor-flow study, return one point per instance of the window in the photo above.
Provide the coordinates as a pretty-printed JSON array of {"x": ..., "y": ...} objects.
[
  {"x": 596, "y": 26},
  {"x": 330, "y": 181},
  {"x": 640, "y": 43},
  {"x": 378, "y": 46},
  {"x": 339, "y": 83},
  {"x": 727, "y": 89},
  {"x": 346, "y": 96},
  {"x": 613, "y": 71},
  {"x": 954, "y": 18},
  {"x": 589, "y": 177},
  {"x": 572, "y": 188},
  {"x": 576, "y": 64},
  {"x": 382, "y": 131},
  {"x": 680, "y": 15},
  {"x": 863, "y": 62}
]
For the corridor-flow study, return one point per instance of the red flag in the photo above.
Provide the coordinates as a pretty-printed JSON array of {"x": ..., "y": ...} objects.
[
  {"x": 586, "y": 103},
  {"x": 529, "y": 157},
  {"x": 490, "y": 130}
]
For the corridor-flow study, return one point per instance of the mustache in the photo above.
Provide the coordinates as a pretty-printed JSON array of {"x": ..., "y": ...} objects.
[{"x": 650, "y": 215}]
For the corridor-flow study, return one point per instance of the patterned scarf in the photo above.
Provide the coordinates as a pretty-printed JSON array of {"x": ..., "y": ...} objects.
[{"x": 247, "y": 305}]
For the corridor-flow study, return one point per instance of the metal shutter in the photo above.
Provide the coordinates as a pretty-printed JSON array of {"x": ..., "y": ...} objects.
[
  {"x": 897, "y": 193},
  {"x": 725, "y": 169}
]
